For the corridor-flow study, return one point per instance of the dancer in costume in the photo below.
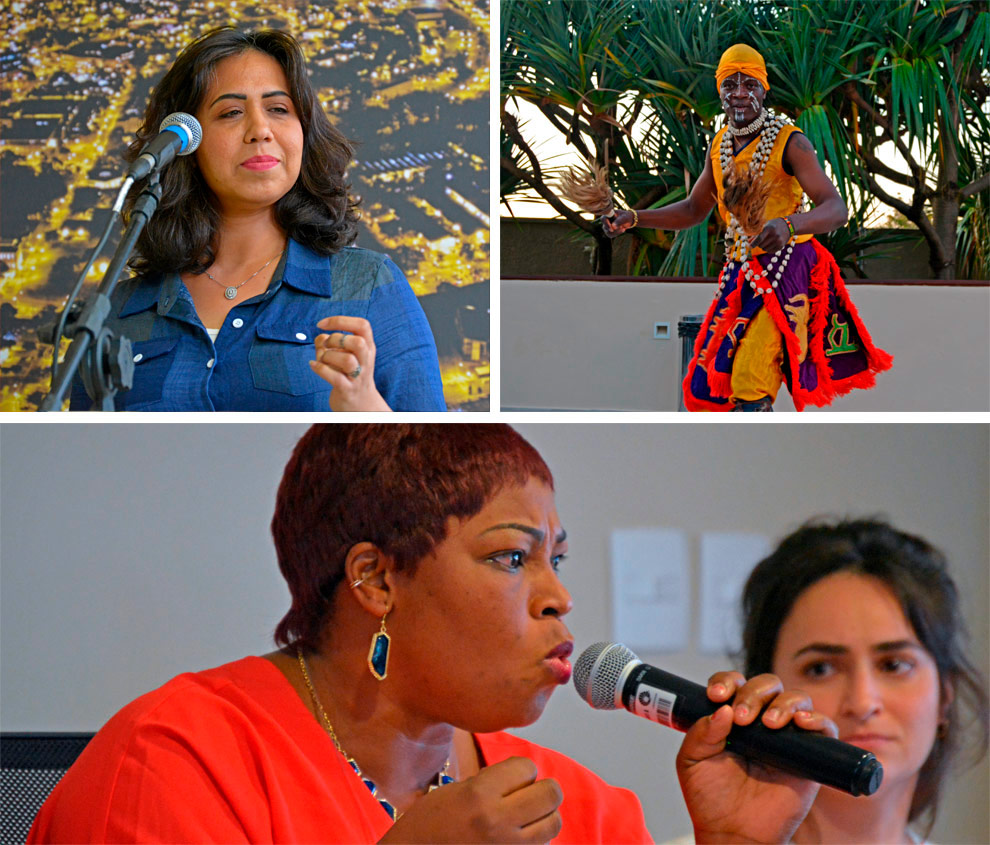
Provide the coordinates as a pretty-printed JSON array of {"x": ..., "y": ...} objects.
[{"x": 781, "y": 310}]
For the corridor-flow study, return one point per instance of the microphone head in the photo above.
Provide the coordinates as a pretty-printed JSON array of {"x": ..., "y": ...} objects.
[
  {"x": 598, "y": 672},
  {"x": 186, "y": 127}
]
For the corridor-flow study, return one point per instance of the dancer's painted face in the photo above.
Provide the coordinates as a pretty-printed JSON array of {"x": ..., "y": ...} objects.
[{"x": 742, "y": 98}]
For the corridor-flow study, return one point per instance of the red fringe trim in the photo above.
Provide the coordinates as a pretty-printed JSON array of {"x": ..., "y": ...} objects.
[
  {"x": 792, "y": 347},
  {"x": 877, "y": 360},
  {"x": 824, "y": 393},
  {"x": 733, "y": 305},
  {"x": 825, "y": 271},
  {"x": 720, "y": 384},
  {"x": 692, "y": 402}
]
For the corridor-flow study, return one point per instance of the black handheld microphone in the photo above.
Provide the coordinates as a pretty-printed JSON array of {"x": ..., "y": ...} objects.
[
  {"x": 179, "y": 134},
  {"x": 609, "y": 676}
]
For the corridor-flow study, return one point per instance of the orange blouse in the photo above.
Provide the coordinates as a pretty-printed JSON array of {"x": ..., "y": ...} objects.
[
  {"x": 786, "y": 191},
  {"x": 233, "y": 755}
]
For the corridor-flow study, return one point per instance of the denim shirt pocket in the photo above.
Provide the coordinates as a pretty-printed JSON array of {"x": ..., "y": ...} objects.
[
  {"x": 153, "y": 359},
  {"x": 279, "y": 360}
]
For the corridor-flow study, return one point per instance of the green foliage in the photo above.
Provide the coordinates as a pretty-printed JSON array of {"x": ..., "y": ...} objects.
[
  {"x": 973, "y": 243},
  {"x": 853, "y": 243},
  {"x": 629, "y": 84},
  {"x": 509, "y": 183}
]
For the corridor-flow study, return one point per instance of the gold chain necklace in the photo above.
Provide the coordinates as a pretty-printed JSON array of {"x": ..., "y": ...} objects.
[
  {"x": 443, "y": 776},
  {"x": 230, "y": 291}
]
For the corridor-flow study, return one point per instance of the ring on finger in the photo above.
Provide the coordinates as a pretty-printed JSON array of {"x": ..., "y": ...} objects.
[
  {"x": 340, "y": 342},
  {"x": 355, "y": 373}
]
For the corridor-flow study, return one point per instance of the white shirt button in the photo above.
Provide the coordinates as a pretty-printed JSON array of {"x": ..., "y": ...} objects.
[
  {"x": 237, "y": 323},
  {"x": 209, "y": 364},
  {"x": 300, "y": 335},
  {"x": 138, "y": 357}
]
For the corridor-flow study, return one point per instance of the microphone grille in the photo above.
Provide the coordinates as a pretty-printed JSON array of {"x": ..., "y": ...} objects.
[
  {"x": 190, "y": 124},
  {"x": 597, "y": 672}
]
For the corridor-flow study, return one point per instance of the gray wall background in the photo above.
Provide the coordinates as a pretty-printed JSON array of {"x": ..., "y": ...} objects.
[
  {"x": 133, "y": 552},
  {"x": 589, "y": 346}
]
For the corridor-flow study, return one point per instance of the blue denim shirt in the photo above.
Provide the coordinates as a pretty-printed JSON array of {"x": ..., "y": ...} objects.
[{"x": 260, "y": 361}]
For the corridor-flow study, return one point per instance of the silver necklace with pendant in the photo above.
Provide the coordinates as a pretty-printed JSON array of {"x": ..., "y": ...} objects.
[{"x": 230, "y": 291}]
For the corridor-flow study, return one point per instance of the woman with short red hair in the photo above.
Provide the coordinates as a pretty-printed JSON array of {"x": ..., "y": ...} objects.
[{"x": 427, "y": 617}]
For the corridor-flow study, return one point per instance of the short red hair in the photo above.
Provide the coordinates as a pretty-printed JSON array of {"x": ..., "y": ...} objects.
[{"x": 394, "y": 485}]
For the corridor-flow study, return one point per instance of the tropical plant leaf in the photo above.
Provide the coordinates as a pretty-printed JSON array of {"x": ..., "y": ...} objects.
[{"x": 630, "y": 83}]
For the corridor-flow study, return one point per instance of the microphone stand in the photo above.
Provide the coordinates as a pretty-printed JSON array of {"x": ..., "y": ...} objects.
[{"x": 106, "y": 360}]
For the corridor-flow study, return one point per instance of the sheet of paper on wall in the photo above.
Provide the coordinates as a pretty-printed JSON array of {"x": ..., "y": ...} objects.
[
  {"x": 727, "y": 558},
  {"x": 651, "y": 589}
]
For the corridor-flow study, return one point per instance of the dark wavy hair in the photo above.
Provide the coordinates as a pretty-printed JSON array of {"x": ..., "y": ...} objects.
[
  {"x": 917, "y": 575},
  {"x": 394, "y": 485},
  {"x": 317, "y": 212}
]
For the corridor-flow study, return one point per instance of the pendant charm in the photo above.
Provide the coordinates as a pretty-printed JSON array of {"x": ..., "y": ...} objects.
[
  {"x": 378, "y": 653},
  {"x": 230, "y": 293}
]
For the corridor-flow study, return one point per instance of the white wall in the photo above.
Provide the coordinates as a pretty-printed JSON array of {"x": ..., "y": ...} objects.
[
  {"x": 133, "y": 552},
  {"x": 589, "y": 346}
]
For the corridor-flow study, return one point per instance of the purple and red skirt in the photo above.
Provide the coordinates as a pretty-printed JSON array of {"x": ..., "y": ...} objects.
[{"x": 827, "y": 349}]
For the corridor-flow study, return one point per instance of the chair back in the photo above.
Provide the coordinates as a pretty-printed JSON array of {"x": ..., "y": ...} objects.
[{"x": 30, "y": 766}]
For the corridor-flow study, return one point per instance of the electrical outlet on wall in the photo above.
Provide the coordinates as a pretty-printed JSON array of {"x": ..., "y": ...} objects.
[
  {"x": 651, "y": 589},
  {"x": 727, "y": 558}
]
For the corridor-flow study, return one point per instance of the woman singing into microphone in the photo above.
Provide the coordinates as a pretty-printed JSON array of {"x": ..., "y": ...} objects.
[
  {"x": 427, "y": 616},
  {"x": 249, "y": 296}
]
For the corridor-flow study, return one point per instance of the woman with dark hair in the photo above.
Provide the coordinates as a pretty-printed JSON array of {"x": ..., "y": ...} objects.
[
  {"x": 246, "y": 268},
  {"x": 427, "y": 617},
  {"x": 866, "y": 619}
]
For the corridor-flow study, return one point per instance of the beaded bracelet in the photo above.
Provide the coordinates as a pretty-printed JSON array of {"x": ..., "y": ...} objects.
[
  {"x": 635, "y": 214},
  {"x": 790, "y": 225}
]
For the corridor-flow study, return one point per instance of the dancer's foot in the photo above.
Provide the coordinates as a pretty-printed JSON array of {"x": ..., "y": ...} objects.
[{"x": 765, "y": 403}]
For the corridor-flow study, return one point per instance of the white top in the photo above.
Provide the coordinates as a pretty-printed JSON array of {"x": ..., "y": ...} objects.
[
  {"x": 213, "y": 334},
  {"x": 688, "y": 839}
]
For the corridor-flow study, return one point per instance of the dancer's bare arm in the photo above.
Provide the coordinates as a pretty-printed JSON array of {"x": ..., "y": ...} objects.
[
  {"x": 678, "y": 215},
  {"x": 829, "y": 212}
]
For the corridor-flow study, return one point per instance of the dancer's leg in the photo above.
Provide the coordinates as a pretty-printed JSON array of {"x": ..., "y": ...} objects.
[{"x": 756, "y": 370}]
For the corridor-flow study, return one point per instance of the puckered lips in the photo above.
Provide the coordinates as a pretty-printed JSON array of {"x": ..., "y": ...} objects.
[
  {"x": 558, "y": 663},
  {"x": 263, "y": 162}
]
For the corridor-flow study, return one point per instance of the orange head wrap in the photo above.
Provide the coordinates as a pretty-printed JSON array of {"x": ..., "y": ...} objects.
[{"x": 741, "y": 58}]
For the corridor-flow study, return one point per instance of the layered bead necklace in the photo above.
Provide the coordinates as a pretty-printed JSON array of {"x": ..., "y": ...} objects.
[
  {"x": 737, "y": 246},
  {"x": 442, "y": 778}
]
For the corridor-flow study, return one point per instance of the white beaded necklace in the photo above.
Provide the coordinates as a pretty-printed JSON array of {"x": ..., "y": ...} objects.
[
  {"x": 751, "y": 128},
  {"x": 736, "y": 239}
]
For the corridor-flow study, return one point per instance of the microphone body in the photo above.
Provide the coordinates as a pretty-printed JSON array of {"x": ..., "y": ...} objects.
[
  {"x": 609, "y": 676},
  {"x": 179, "y": 134}
]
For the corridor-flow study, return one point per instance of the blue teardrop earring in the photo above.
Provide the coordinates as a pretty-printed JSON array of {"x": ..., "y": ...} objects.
[{"x": 378, "y": 653}]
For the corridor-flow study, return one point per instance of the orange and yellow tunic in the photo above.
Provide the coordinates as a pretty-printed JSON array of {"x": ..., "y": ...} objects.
[
  {"x": 785, "y": 192},
  {"x": 804, "y": 328}
]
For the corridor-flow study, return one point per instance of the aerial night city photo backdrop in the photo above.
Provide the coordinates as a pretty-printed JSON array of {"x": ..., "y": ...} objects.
[{"x": 408, "y": 80}]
